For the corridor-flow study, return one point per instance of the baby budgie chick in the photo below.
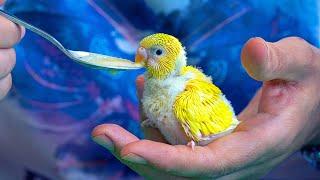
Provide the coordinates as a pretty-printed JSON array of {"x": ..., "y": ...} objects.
[{"x": 180, "y": 100}]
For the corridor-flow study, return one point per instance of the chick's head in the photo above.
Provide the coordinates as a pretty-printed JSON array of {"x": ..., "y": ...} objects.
[{"x": 161, "y": 54}]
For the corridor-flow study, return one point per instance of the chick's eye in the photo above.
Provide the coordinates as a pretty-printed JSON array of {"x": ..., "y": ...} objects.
[{"x": 158, "y": 52}]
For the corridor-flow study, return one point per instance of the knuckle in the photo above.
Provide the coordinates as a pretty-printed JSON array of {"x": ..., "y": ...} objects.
[
  {"x": 307, "y": 48},
  {"x": 113, "y": 126},
  {"x": 11, "y": 33},
  {"x": 315, "y": 58},
  {"x": 275, "y": 64},
  {"x": 310, "y": 58},
  {"x": 294, "y": 58},
  {"x": 101, "y": 129},
  {"x": 104, "y": 126},
  {"x": 296, "y": 38},
  {"x": 101, "y": 126},
  {"x": 15, "y": 35}
]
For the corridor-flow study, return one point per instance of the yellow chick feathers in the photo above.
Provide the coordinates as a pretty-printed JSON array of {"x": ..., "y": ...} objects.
[{"x": 180, "y": 100}]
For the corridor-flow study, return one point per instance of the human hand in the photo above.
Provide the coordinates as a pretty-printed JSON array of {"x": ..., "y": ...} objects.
[
  {"x": 10, "y": 34},
  {"x": 281, "y": 118}
]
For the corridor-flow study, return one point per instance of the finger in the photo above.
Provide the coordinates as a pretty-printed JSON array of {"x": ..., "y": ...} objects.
[
  {"x": 112, "y": 137},
  {"x": 5, "y": 86},
  {"x": 252, "y": 108},
  {"x": 2, "y": 2},
  {"x": 174, "y": 160},
  {"x": 288, "y": 59},
  {"x": 7, "y": 61},
  {"x": 224, "y": 155},
  {"x": 10, "y": 33}
]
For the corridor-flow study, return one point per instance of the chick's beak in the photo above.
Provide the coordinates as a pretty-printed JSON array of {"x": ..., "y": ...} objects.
[{"x": 141, "y": 56}]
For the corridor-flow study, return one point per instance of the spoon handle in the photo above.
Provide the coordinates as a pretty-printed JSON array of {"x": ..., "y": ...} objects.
[
  {"x": 90, "y": 59},
  {"x": 37, "y": 31}
]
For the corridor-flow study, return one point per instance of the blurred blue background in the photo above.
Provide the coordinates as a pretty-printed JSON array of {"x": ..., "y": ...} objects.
[{"x": 58, "y": 102}]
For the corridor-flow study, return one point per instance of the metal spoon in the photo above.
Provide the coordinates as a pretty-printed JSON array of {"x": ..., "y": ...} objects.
[{"x": 87, "y": 58}]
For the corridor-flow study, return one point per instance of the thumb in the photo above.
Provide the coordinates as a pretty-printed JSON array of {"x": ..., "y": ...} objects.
[{"x": 288, "y": 59}]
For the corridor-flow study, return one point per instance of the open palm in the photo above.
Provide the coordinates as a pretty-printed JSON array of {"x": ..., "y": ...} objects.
[{"x": 281, "y": 118}]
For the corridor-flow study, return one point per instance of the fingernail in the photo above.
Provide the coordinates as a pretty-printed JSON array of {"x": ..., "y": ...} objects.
[
  {"x": 104, "y": 141},
  {"x": 134, "y": 159},
  {"x": 22, "y": 32}
]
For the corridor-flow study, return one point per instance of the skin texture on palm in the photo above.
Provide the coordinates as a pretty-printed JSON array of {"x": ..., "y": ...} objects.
[
  {"x": 10, "y": 34},
  {"x": 281, "y": 118}
]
